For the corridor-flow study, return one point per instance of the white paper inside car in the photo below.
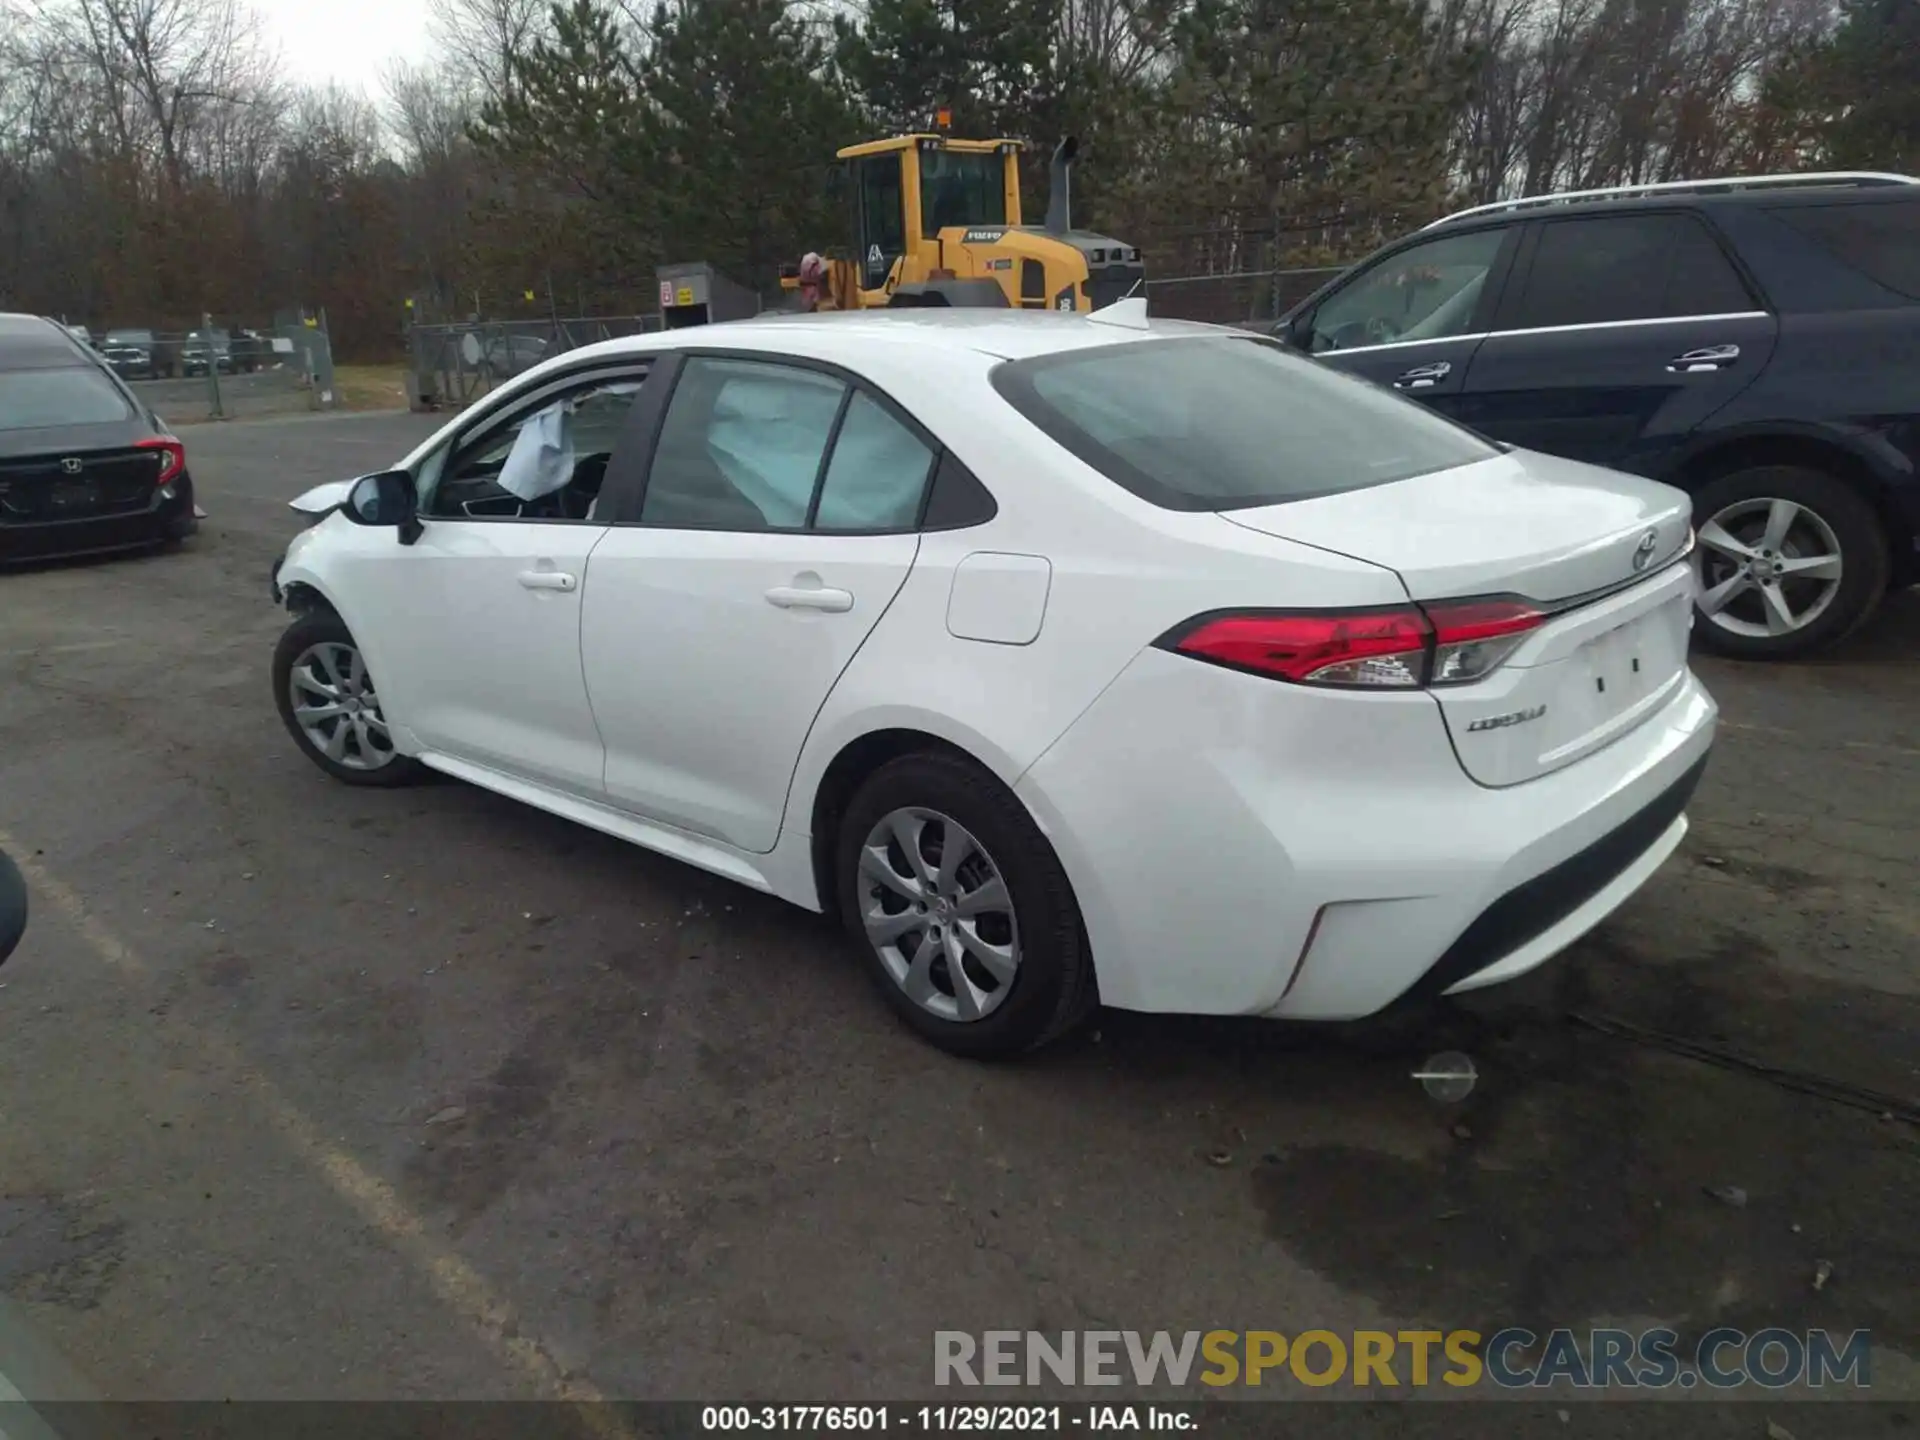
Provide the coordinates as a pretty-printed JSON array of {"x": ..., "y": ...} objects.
[{"x": 541, "y": 460}]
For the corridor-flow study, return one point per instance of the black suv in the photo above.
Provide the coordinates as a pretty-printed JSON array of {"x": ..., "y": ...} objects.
[{"x": 1755, "y": 342}]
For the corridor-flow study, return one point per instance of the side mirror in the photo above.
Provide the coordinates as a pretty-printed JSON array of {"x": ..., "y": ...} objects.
[
  {"x": 382, "y": 500},
  {"x": 1296, "y": 331},
  {"x": 13, "y": 907}
]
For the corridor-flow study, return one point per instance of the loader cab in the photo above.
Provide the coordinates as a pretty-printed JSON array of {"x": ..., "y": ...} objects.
[{"x": 904, "y": 191}]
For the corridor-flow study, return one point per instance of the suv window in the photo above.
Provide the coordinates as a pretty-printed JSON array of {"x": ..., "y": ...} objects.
[
  {"x": 1427, "y": 292},
  {"x": 1625, "y": 267},
  {"x": 1880, "y": 240},
  {"x": 546, "y": 462},
  {"x": 1224, "y": 424},
  {"x": 745, "y": 447}
]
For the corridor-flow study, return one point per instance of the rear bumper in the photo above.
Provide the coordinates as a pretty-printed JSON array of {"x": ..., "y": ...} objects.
[
  {"x": 165, "y": 519},
  {"x": 1320, "y": 855},
  {"x": 1535, "y": 920}
]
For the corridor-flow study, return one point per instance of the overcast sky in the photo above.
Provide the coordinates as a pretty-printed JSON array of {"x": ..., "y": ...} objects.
[{"x": 346, "y": 40}]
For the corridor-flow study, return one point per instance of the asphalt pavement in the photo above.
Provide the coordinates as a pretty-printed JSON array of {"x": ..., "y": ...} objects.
[{"x": 313, "y": 1092}]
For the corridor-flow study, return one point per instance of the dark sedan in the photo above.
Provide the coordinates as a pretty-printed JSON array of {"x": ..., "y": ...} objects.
[{"x": 84, "y": 466}]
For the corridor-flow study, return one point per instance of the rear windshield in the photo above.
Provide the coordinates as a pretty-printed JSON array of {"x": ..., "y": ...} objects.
[
  {"x": 1226, "y": 424},
  {"x": 1880, "y": 239},
  {"x": 75, "y": 396},
  {"x": 129, "y": 337}
]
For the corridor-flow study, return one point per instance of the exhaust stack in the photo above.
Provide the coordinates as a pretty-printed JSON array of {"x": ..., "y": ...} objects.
[{"x": 1060, "y": 187}]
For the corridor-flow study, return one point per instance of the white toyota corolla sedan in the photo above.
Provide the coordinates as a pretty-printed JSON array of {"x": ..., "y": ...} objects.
[{"x": 1069, "y": 659}]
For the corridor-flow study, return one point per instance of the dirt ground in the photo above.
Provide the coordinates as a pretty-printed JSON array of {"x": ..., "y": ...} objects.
[{"x": 308, "y": 1092}]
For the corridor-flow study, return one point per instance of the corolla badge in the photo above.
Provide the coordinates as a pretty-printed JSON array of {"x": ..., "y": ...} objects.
[
  {"x": 1643, "y": 552},
  {"x": 1501, "y": 722}
]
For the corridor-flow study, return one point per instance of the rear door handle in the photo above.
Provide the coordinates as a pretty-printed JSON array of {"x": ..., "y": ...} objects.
[
  {"x": 794, "y": 597},
  {"x": 1422, "y": 377},
  {"x": 1709, "y": 357},
  {"x": 548, "y": 580}
]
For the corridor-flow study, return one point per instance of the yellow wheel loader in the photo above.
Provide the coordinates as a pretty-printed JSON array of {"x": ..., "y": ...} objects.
[{"x": 936, "y": 221}]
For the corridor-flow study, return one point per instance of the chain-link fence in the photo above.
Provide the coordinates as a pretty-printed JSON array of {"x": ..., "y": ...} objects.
[
  {"x": 1239, "y": 298},
  {"x": 219, "y": 371},
  {"x": 451, "y": 365}
]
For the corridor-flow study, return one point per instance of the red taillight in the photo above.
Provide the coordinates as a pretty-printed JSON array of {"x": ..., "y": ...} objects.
[
  {"x": 173, "y": 457},
  {"x": 1371, "y": 648},
  {"x": 1401, "y": 648}
]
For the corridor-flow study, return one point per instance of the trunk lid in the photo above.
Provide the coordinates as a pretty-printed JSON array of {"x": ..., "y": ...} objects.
[
  {"x": 76, "y": 472},
  {"x": 1595, "y": 549}
]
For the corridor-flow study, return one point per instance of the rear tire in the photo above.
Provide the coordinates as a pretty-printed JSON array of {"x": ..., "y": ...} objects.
[
  {"x": 1036, "y": 982},
  {"x": 1750, "y": 522},
  {"x": 317, "y": 660}
]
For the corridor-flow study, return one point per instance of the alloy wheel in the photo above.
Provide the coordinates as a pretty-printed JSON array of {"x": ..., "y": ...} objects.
[
  {"x": 336, "y": 708},
  {"x": 938, "y": 913},
  {"x": 1766, "y": 567}
]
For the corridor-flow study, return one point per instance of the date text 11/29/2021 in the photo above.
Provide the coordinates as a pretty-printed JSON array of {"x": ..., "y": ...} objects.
[{"x": 963, "y": 1419}]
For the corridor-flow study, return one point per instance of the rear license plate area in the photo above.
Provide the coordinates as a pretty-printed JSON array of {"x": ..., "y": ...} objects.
[
  {"x": 1623, "y": 666},
  {"x": 74, "y": 497}
]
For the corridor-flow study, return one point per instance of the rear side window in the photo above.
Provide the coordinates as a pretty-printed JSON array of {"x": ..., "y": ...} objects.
[
  {"x": 1226, "y": 424},
  {"x": 30, "y": 399},
  {"x": 877, "y": 475},
  {"x": 1626, "y": 267},
  {"x": 1881, "y": 241}
]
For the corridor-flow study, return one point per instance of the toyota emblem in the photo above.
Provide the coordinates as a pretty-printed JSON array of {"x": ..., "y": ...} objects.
[
  {"x": 1643, "y": 552},
  {"x": 73, "y": 465}
]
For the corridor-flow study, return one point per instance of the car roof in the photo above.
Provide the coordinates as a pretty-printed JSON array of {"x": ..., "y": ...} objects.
[
  {"x": 1000, "y": 334},
  {"x": 1546, "y": 207},
  {"x": 31, "y": 342}
]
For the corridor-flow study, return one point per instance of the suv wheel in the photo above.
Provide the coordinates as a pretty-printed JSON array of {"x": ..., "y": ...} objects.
[
  {"x": 961, "y": 908},
  {"x": 1788, "y": 560}
]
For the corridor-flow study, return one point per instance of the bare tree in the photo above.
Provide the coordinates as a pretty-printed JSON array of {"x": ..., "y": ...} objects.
[{"x": 482, "y": 37}]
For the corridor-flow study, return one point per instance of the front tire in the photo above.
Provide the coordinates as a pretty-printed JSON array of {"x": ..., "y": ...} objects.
[
  {"x": 961, "y": 908},
  {"x": 327, "y": 700},
  {"x": 1788, "y": 561}
]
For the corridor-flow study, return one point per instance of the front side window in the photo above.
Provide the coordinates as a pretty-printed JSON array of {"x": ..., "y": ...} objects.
[
  {"x": 78, "y": 395},
  {"x": 1427, "y": 292},
  {"x": 1625, "y": 267},
  {"x": 546, "y": 462},
  {"x": 1226, "y": 424}
]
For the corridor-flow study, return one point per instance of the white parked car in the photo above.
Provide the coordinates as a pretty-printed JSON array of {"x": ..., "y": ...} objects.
[{"x": 1065, "y": 657}]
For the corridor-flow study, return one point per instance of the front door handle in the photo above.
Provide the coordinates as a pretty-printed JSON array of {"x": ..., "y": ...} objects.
[
  {"x": 1709, "y": 357},
  {"x": 795, "y": 597},
  {"x": 548, "y": 580},
  {"x": 1424, "y": 377}
]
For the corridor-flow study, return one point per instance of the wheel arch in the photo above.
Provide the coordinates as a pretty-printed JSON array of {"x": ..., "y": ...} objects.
[
  {"x": 853, "y": 761},
  {"x": 1811, "y": 450},
  {"x": 302, "y": 597}
]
